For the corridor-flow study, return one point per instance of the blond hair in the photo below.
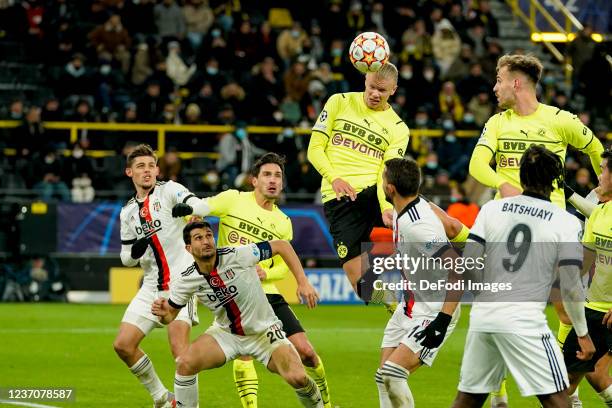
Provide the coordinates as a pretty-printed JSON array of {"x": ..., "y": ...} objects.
[
  {"x": 526, "y": 64},
  {"x": 387, "y": 71}
]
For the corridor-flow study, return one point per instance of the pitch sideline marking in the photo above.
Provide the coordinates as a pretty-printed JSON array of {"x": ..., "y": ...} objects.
[{"x": 26, "y": 404}]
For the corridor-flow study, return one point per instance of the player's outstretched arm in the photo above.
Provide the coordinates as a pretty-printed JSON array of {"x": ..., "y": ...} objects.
[
  {"x": 573, "y": 295},
  {"x": 162, "y": 309},
  {"x": 306, "y": 293},
  {"x": 195, "y": 206},
  {"x": 579, "y": 202}
]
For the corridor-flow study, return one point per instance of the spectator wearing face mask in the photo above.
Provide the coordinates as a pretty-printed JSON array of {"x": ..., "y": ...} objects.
[
  {"x": 78, "y": 172},
  {"x": 236, "y": 155},
  {"x": 450, "y": 102},
  {"x": 290, "y": 42},
  {"x": 482, "y": 108},
  {"x": 113, "y": 38}
]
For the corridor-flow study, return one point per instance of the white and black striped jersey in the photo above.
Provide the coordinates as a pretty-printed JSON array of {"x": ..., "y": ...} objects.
[
  {"x": 419, "y": 235},
  {"x": 166, "y": 256},
  {"x": 232, "y": 290},
  {"x": 525, "y": 238}
]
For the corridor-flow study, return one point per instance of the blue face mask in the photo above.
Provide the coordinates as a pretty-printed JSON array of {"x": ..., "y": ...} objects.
[
  {"x": 212, "y": 70},
  {"x": 450, "y": 138},
  {"x": 336, "y": 52},
  {"x": 241, "y": 133},
  {"x": 216, "y": 33}
]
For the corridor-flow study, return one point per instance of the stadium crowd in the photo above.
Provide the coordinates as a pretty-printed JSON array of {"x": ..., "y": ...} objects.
[{"x": 233, "y": 62}]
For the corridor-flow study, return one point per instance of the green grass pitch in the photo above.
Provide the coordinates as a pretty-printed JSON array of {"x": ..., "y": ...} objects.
[{"x": 53, "y": 345}]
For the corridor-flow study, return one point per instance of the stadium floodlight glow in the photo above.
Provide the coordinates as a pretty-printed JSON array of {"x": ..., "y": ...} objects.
[{"x": 561, "y": 37}]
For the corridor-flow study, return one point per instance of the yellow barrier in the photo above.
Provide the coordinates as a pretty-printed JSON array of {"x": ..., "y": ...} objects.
[
  {"x": 162, "y": 130},
  {"x": 124, "y": 284}
]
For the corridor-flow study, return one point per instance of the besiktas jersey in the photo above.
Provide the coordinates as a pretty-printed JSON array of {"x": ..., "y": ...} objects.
[
  {"x": 232, "y": 290},
  {"x": 166, "y": 256},
  {"x": 526, "y": 238},
  {"x": 420, "y": 238}
]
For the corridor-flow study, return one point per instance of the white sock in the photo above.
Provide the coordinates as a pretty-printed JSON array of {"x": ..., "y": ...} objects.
[
  {"x": 145, "y": 372},
  {"x": 575, "y": 400},
  {"x": 606, "y": 396},
  {"x": 396, "y": 381},
  {"x": 186, "y": 390},
  {"x": 383, "y": 395},
  {"x": 310, "y": 396}
]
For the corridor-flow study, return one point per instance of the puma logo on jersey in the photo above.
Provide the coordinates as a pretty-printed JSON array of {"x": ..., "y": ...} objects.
[
  {"x": 367, "y": 122},
  {"x": 525, "y": 133}
]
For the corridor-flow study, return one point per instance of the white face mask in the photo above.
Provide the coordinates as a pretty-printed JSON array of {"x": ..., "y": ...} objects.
[
  {"x": 406, "y": 74},
  {"x": 77, "y": 153},
  {"x": 429, "y": 75}
]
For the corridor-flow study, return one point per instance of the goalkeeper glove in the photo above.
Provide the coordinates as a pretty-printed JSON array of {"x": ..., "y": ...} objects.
[
  {"x": 434, "y": 333},
  {"x": 139, "y": 247},
  {"x": 181, "y": 210}
]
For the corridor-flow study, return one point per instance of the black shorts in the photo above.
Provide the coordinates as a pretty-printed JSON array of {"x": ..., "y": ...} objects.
[
  {"x": 291, "y": 324},
  {"x": 351, "y": 222},
  {"x": 602, "y": 339}
]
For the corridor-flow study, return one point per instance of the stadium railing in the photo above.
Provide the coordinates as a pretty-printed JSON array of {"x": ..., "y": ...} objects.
[{"x": 161, "y": 131}]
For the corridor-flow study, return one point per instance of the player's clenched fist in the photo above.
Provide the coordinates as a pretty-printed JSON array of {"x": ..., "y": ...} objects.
[
  {"x": 307, "y": 294},
  {"x": 181, "y": 210}
]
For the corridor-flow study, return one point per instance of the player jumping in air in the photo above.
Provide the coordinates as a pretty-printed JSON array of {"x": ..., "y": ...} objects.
[{"x": 355, "y": 134}]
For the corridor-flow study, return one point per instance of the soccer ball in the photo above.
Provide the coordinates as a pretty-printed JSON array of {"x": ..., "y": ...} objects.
[{"x": 369, "y": 52}]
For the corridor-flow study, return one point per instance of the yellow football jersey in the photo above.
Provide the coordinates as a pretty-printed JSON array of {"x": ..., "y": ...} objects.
[
  {"x": 243, "y": 221},
  {"x": 598, "y": 237},
  {"x": 508, "y": 135},
  {"x": 352, "y": 142}
]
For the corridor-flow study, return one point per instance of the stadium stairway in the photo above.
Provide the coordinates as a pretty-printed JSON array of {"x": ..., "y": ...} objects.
[{"x": 513, "y": 34}]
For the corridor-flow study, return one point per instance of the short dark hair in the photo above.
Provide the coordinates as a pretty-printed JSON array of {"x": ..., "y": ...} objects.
[
  {"x": 142, "y": 150},
  {"x": 607, "y": 154},
  {"x": 268, "y": 158},
  {"x": 540, "y": 168},
  {"x": 190, "y": 227},
  {"x": 527, "y": 64},
  {"x": 405, "y": 175}
]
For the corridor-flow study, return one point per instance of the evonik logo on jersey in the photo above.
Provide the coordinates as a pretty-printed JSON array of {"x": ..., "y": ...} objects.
[{"x": 149, "y": 227}]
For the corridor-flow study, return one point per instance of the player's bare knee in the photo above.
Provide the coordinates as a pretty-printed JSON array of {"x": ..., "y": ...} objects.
[
  {"x": 297, "y": 378},
  {"x": 123, "y": 348},
  {"x": 307, "y": 353},
  {"x": 185, "y": 365}
]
